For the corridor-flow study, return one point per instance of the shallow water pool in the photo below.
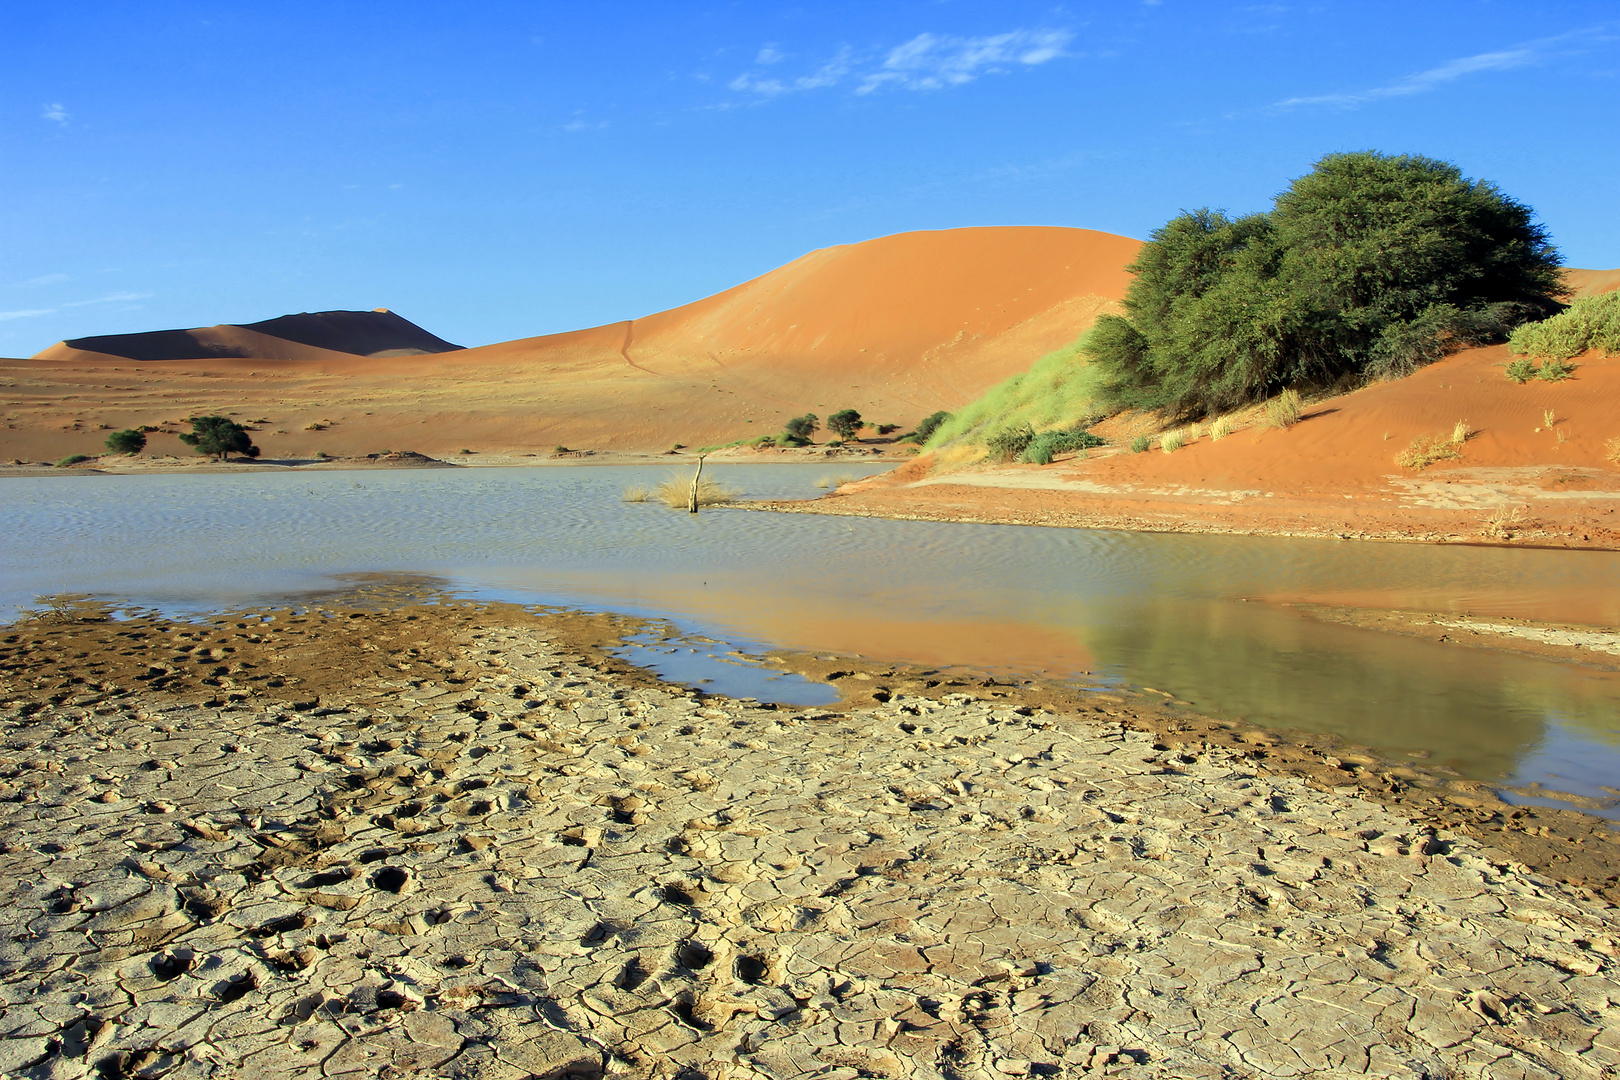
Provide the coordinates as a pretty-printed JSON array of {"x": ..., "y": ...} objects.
[{"x": 1185, "y": 615}]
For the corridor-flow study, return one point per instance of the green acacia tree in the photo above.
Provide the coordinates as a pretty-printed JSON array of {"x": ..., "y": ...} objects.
[
  {"x": 128, "y": 441},
  {"x": 846, "y": 422},
  {"x": 1369, "y": 266},
  {"x": 220, "y": 437}
]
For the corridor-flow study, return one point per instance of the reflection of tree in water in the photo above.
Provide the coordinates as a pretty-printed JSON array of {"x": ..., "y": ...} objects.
[{"x": 1477, "y": 711}]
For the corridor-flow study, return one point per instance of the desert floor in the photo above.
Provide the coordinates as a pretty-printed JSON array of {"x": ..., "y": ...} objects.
[{"x": 381, "y": 837}]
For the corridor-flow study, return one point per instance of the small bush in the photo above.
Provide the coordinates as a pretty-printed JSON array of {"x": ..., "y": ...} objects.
[
  {"x": 72, "y": 459},
  {"x": 1009, "y": 443},
  {"x": 1283, "y": 410},
  {"x": 1171, "y": 441},
  {"x": 676, "y": 491},
  {"x": 801, "y": 428},
  {"x": 637, "y": 493},
  {"x": 1555, "y": 371},
  {"x": 1499, "y": 526},
  {"x": 1221, "y": 428},
  {"x": 1521, "y": 370},
  {"x": 887, "y": 429},
  {"x": 1048, "y": 444},
  {"x": 928, "y": 425},
  {"x": 1461, "y": 433},
  {"x": 128, "y": 441},
  {"x": 1140, "y": 444},
  {"x": 1592, "y": 322},
  {"x": 1425, "y": 450}
]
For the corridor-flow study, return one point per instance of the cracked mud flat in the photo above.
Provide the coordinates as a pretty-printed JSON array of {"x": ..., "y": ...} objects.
[{"x": 461, "y": 844}]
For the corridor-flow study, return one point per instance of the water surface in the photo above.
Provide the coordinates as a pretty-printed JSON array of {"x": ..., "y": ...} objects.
[{"x": 1180, "y": 614}]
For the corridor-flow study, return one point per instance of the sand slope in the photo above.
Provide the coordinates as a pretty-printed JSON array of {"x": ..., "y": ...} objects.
[
  {"x": 896, "y": 328},
  {"x": 1537, "y": 468}
]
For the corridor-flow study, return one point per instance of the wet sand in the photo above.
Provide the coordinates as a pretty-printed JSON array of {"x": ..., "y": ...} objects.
[{"x": 383, "y": 836}]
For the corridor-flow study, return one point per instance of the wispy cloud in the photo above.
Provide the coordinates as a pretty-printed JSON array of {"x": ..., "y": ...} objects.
[
  {"x": 57, "y": 112},
  {"x": 769, "y": 55},
  {"x": 1424, "y": 81},
  {"x": 831, "y": 73},
  {"x": 44, "y": 279},
  {"x": 926, "y": 62},
  {"x": 110, "y": 298}
]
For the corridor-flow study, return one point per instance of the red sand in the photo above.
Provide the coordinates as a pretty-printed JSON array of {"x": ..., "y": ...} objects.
[{"x": 1519, "y": 479}]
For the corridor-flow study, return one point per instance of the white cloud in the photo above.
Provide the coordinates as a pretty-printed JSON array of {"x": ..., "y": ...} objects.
[
  {"x": 1452, "y": 70},
  {"x": 831, "y": 73},
  {"x": 45, "y": 279},
  {"x": 932, "y": 62},
  {"x": 926, "y": 62},
  {"x": 6, "y": 316},
  {"x": 110, "y": 298},
  {"x": 55, "y": 111}
]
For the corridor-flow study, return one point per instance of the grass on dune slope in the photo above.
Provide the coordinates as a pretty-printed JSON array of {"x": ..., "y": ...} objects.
[{"x": 1060, "y": 391}]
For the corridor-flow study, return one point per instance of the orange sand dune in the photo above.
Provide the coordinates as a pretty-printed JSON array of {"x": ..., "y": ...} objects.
[{"x": 896, "y": 328}]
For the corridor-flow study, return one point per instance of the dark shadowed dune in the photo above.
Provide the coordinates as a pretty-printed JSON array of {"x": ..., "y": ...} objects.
[{"x": 378, "y": 333}]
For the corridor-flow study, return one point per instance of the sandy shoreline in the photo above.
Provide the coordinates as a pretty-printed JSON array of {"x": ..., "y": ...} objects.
[{"x": 461, "y": 841}]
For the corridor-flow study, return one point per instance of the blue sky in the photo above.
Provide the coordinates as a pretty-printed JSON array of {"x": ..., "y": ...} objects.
[{"x": 500, "y": 170}]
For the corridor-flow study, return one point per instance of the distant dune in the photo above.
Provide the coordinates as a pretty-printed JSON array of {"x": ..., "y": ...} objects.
[
  {"x": 321, "y": 335},
  {"x": 895, "y": 327}
]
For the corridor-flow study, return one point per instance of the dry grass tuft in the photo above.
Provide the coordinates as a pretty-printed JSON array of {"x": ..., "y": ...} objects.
[
  {"x": 1549, "y": 418},
  {"x": 1283, "y": 411},
  {"x": 1461, "y": 432},
  {"x": 676, "y": 492},
  {"x": 1425, "y": 450},
  {"x": 836, "y": 482},
  {"x": 1611, "y": 451},
  {"x": 1221, "y": 428},
  {"x": 637, "y": 493},
  {"x": 1171, "y": 441},
  {"x": 1499, "y": 526}
]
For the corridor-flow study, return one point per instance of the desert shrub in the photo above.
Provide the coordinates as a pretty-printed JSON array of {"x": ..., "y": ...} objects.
[
  {"x": 800, "y": 428},
  {"x": 1555, "y": 371},
  {"x": 846, "y": 422},
  {"x": 128, "y": 441},
  {"x": 928, "y": 425},
  {"x": 1283, "y": 411},
  {"x": 675, "y": 492},
  {"x": 1171, "y": 441},
  {"x": 636, "y": 493},
  {"x": 1425, "y": 450},
  {"x": 1048, "y": 444},
  {"x": 1592, "y": 322},
  {"x": 1009, "y": 443},
  {"x": 1059, "y": 391},
  {"x": 887, "y": 429},
  {"x": 1140, "y": 444},
  {"x": 220, "y": 437},
  {"x": 72, "y": 459},
  {"x": 1221, "y": 428},
  {"x": 1521, "y": 371},
  {"x": 1369, "y": 266}
]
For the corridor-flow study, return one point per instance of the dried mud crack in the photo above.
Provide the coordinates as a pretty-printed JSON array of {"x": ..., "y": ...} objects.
[{"x": 460, "y": 841}]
